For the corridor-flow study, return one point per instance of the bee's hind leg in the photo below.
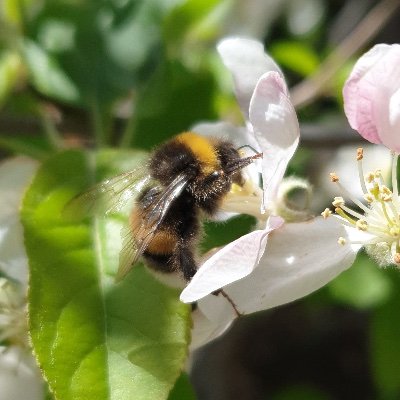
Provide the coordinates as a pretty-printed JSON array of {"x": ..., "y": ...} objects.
[
  {"x": 235, "y": 309},
  {"x": 184, "y": 261}
]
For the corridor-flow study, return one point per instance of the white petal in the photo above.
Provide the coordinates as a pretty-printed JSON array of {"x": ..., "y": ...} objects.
[
  {"x": 15, "y": 175},
  {"x": 276, "y": 129},
  {"x": 299, "y": 259},
  {"x": 233, "y": 262},
  {"x": 205, "y": 330},
  {"x": 361, "y": 238},
  {"x": 19, "y": 376},
  {"x": 247, "y": 61}
]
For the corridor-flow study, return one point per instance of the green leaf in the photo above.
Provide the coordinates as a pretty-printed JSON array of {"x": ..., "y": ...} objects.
[
  {"x": 385, "y": 344},
  {"x": 95, "y": 339},
  {"x": 175, "y": 98},
  {"x": 10, "y": 68},
  {"x": 187, "y": 17},
  {"x": 104, "y": 48},
  {"x": 47, "y": 75},
  {"x": 363, "y": 285},
  {"x": 295, "y": 56},
  {"x": 35, "y": 147}
]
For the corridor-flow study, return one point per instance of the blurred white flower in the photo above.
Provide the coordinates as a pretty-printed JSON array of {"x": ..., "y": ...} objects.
[{"x": 20, "y": 378}]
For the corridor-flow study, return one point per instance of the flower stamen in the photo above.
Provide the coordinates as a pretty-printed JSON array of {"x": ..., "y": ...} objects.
[{"x": 380, "y": 216}]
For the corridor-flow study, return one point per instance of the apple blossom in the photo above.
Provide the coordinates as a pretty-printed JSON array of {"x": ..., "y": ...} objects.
[
  {"x": 278, "y": 262},
  {"x": 371, "y": 103},
  {"x": 372, "y": 96}
]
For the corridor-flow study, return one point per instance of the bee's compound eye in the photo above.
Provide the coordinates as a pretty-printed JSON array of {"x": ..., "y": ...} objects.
[{"x": 210, "y": 179}]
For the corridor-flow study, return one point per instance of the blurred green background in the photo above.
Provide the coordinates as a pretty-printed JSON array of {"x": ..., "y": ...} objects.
[{"x": 131, "y": 73}]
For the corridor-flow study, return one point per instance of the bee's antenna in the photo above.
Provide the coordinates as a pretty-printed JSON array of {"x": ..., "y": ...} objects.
[{"x": 241, "y": 163}]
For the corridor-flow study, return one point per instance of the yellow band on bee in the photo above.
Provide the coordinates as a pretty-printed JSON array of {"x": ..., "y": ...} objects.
[{"x": 203, "y": 150}]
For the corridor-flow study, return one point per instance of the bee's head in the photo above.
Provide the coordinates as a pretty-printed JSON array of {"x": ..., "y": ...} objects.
[{"x": 217, "y": 182}]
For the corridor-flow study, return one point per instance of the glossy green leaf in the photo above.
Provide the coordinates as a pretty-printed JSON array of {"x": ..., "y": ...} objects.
[
  {"x": 95, "y": 339},
  {"x": 363, "y": 285}
]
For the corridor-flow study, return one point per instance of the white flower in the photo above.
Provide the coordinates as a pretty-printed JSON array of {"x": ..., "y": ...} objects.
[
  {"x": 20, "y": 378},
  {"x": 371, "y": 103},
  {"x": 268, "y": 266}
]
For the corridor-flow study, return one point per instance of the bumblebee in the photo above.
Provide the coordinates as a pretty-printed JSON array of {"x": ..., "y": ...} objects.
[{"x": 186, "y": 180}]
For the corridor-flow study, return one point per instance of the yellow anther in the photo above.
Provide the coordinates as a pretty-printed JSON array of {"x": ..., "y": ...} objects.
[
  {"x": 334, "y": 177},
  {"x": 378, "y": 173},
  {"x": 362, "y": 225},
  {"x": 396, "y": 258},
  {"x": 326, "y": 213},
  {"x": 386, "y": 190},
  {"x": 338, "y": 202},
  {"x": 387, "y": 197},
  {"x": 370, "y": 177},
  {"x": 342, "y": 241},
  {"x": 369, "y": 198},
  {"x": 360, "y": 153}
]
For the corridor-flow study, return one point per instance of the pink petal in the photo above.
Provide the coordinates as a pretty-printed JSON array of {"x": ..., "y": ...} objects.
[
  {"x": 247, "y": 61},
  {"x": 276, "y": 129},
  {"x": 368, "y": 94},
  {"x": 299, "y": 259},
  {"x": 233, "y": 262}
]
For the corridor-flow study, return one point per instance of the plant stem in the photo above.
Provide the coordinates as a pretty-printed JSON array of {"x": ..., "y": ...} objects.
[
  {"x": 305, "y": 92},
  {"x": 53, "y": 135}
]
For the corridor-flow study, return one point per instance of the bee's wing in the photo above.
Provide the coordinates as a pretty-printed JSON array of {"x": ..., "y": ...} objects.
[
  {"x": 134, "y": 243},
  {"x": 108, "y": 196}
]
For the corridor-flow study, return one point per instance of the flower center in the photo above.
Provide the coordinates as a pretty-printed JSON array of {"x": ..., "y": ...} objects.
[{"x": 378, "y": 217}]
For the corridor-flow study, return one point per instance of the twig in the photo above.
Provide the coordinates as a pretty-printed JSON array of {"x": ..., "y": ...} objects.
[{"x": 306, "y": 91}]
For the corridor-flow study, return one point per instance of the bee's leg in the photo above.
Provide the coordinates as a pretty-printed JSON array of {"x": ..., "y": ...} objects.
[
  {"x": 184, "y": 260},
  {"x": 224, "y": 294}
]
